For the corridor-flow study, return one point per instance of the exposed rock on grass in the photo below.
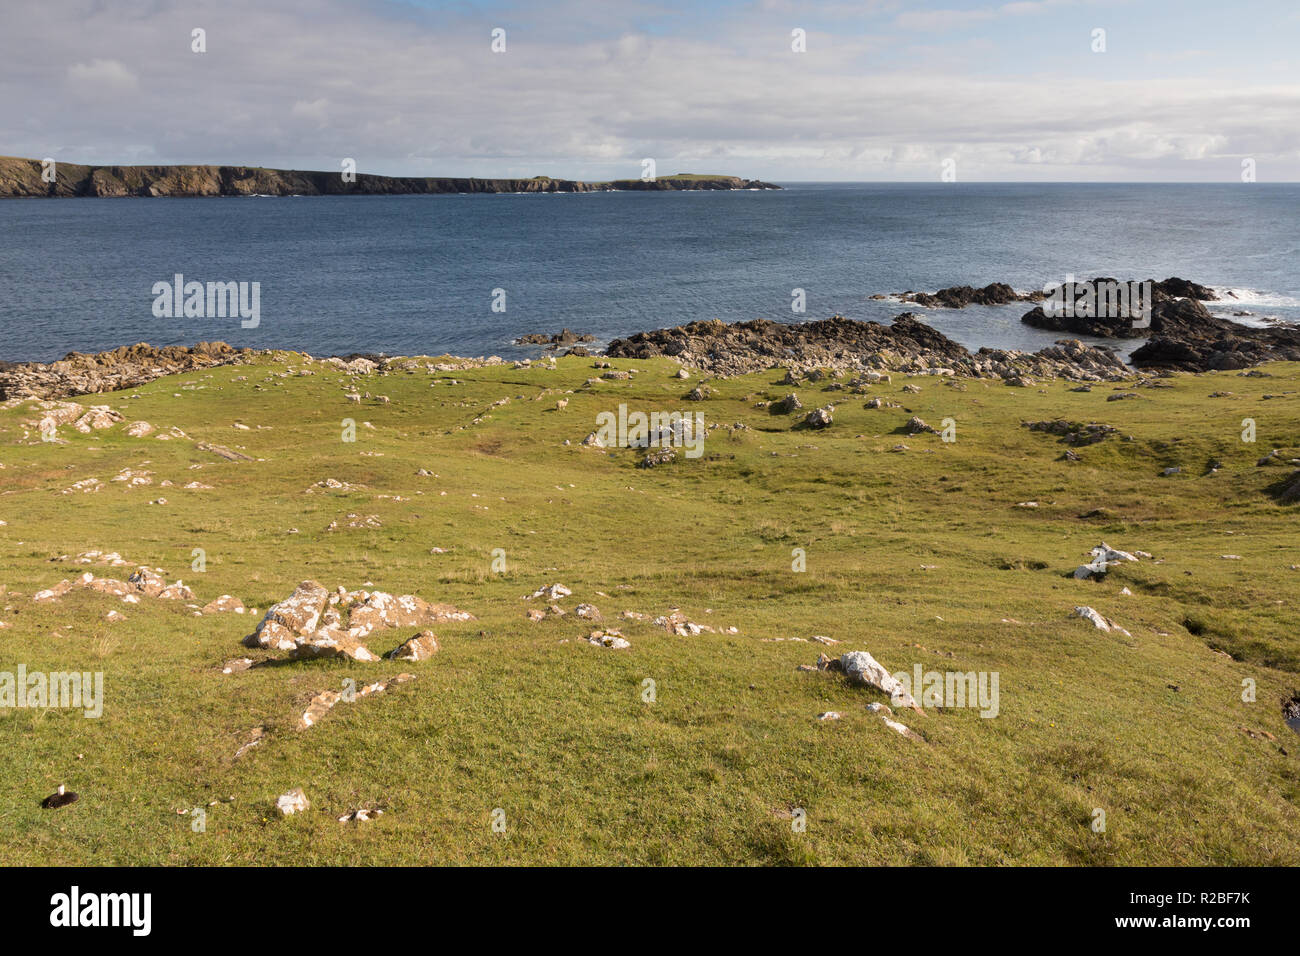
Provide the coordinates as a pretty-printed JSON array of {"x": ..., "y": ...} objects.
[
  {"x": 257, "y": 737},
  {"x": 361, "y": 815},
  {"x": 224, "y": 603},
  {"x": 787, "y": 405},
  {"x": 608, "y": 638},
  {"x": 325, "y": 701},
  {"x": 221, "y": 451},
  {"x": 1073, "y": 433},
  {"x": 142, "y": 582},
  {"x": 303, "y": 625},
  {"x": 1097, "y": 621},
  {"x": 1103, "y": 558},
  {"x": 862, "y": 668},
  {"x": 355, "y": 522},
  {"x": 551, "y": 592},
  {"x": 675, "y": 622},
  {"x": 295, "y": 801},
  {"x": 419, "y": 648},
  {"x": 655, "y": 457},
  {"x": 820, "y": 418}
]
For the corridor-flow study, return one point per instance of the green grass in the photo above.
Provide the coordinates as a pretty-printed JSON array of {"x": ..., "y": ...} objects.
[{"x": 531, "y": 719}]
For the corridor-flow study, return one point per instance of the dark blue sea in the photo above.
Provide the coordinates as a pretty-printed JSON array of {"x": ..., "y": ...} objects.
[{"x": 417, "y": 274}]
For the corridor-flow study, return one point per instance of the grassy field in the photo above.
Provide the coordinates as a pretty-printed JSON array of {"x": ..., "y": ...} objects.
[{"x": 529, "y": 718}]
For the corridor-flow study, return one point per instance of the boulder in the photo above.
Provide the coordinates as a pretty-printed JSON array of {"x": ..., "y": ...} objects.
[
  {"x": 862, "y": 668},
  {"x": 297, "y": 614},
  {"x": 419, "y": 648},
  {"x": 819, "y": 418}
]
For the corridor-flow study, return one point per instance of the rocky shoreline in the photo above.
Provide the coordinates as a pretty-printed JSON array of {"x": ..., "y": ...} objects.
[
  {"x": 1181, "y": 332},
  {"x": 79, "y": 373},
  {"x": 840, "y": 344},
  {"x": 1183, "y": 336}
]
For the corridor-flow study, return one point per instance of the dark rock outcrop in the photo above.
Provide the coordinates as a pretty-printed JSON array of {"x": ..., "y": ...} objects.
[
  {"x": 841, "y": 344},
  {"x": 1182, "y": 333},
  {"x": 960, "y": 296},
  {"x": 563, "y": 337},
  {"x": 742, "y": 347}
]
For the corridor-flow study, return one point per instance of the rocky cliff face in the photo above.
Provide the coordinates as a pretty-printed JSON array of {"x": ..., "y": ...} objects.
[{"x": 22, "y": 178}]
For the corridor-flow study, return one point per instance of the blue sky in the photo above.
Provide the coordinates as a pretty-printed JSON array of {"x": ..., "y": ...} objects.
[{"x": 886, "y": 90}]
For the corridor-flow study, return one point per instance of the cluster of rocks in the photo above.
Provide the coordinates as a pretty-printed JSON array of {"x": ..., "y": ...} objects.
[
  {"x": 314, "y": 622},
  {"x": 564, "y": 337},
  {"x": 1182, "y": 333},
  {"x": 844, "y": 345},
  {"x": 54, "y": 414},
  {"x": 721, "y": 349},
  {"x": 78, "y": 373},
  {"x": 1067, "y": 358},
  {"x": 1073, "y": 433},
  {"x": 960, "y": 296},
  {"x": 144, "y": 582},
  {"x": 1104, "y": 557}
]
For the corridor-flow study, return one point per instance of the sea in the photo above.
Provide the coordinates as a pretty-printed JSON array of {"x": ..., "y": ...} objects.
[{"x": 468, "y": 274}]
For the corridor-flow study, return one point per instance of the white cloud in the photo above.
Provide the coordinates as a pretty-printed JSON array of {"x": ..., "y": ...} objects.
[
  {"x": 584, "y": 91},
  {"x": 102, "y": 76}
]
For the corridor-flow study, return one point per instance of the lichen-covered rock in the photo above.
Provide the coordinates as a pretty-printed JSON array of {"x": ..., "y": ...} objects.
[
  {"x": 419, "y": 648},
  {"x": 298, "y": 614}
]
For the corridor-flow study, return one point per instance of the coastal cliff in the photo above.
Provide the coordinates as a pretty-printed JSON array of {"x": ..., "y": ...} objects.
[{"x": 21, "y": 178}]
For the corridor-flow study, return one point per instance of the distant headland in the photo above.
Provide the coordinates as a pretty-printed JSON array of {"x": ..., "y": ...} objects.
[{"x": 34, "y": 178}]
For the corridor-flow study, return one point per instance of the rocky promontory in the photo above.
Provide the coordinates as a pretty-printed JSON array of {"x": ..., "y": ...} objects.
[
  {"x": 79, "y": 373},
  {"x": 838, "y": 343},
  {"x": 23, "y": 178}
]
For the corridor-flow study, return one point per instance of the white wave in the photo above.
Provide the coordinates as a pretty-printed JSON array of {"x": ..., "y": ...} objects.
[{"x": 1254, "y": 297}]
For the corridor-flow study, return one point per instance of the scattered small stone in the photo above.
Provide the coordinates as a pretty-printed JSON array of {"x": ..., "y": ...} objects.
[
  {"x": 1097, "y": 621},
  {"x": 552, "y": 592},
  {"x": 295, "y": 801},
  {"x": 224, "y": 603},
  {"x": 608, "y": 638},
  {"x": 361, "y": 815}
]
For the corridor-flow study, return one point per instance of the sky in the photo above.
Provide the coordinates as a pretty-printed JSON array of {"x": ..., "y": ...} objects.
[{"x": 1030, "y": 90}]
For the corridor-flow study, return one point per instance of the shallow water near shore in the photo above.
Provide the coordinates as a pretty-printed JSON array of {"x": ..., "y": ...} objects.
[{"x": 417, "y": 274}]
